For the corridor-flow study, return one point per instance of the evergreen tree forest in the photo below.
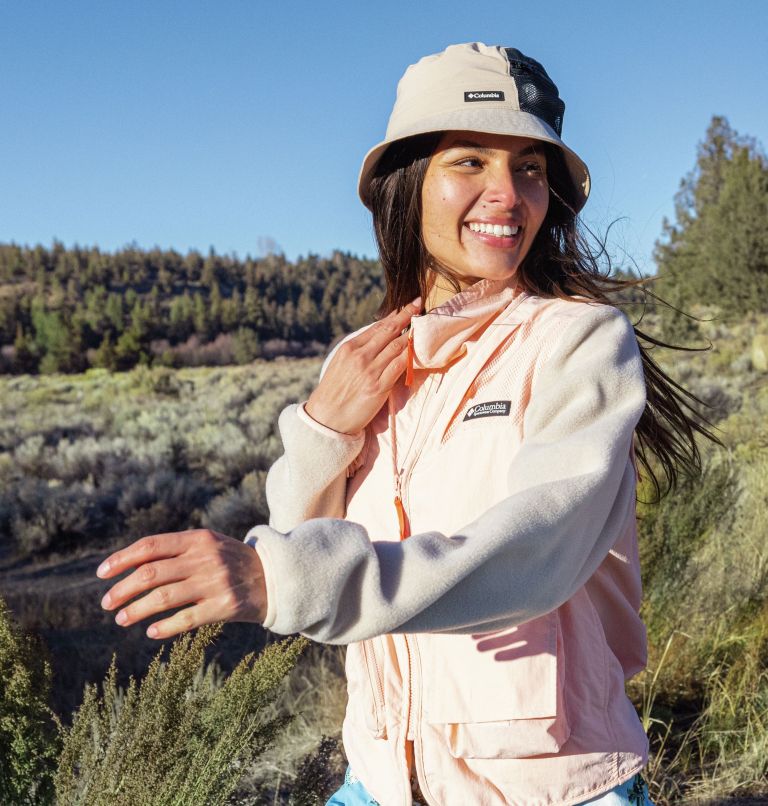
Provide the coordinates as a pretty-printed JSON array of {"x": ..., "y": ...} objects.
[{"x": 68, "y": 309}]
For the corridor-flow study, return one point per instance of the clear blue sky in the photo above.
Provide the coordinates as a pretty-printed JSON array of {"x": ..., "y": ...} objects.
[{"x": 195, "y": 124}]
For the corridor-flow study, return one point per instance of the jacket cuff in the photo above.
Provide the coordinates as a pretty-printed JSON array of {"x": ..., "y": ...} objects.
[
  {"x": 301, "y": 413},
  {"x": 269, "y": 576},
  {"x": 311, "y": 446}
]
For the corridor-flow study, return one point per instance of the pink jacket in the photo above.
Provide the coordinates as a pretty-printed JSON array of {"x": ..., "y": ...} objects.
[{"x": 489, "y": 649}]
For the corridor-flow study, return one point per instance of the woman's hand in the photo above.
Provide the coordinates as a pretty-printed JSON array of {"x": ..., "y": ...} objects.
[
  {"x": 362, "y": 373},
  {"x": 220, "y": 578}
]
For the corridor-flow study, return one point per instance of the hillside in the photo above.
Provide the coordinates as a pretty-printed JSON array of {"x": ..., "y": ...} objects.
[{"x": 65, "y": 310}]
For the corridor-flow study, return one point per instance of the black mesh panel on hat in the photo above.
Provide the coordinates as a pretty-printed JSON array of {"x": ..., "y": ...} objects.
[{"x": 535, "y": 89}]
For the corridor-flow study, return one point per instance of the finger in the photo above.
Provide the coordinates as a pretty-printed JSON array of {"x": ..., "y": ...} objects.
[
  {"x": 166, "y": 597},
  {"x": 388, "y": 328},
  {"x": 185, "y": 620},
  {"x": 145, "y": 577},
  {"x": 393, "y": 371},
  {"x": 152, "y": 547},
  {"x": 389, "y": 353}
]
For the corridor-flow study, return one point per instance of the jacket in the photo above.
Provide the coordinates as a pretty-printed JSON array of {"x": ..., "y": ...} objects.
[{"x": 489, "y": 649}]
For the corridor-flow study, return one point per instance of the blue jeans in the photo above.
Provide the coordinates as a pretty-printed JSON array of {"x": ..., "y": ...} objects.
[{"x": 631, "y": 793}]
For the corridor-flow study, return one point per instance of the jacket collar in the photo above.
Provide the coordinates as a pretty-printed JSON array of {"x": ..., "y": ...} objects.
[{"x": 439, "y": 336}]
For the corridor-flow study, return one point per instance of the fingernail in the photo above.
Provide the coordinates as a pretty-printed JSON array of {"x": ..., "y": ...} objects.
[
  {"x": 106, "y": 601},
  {"x": 103, "y": 569},
  {"x": 121, "y": 617},
  {"x": 417, "y": 302},
  {"x": 152, "y": 631}
]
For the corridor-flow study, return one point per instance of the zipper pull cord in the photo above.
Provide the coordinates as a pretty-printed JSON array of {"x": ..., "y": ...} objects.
[
  {"x": 402, "y": 518},
  {"x": 409, "y": 364}
]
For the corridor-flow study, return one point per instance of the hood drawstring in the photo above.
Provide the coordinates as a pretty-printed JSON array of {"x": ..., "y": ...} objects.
[
  {"x": 409, "y": 358},
  {"x": 402, "y": 517}
]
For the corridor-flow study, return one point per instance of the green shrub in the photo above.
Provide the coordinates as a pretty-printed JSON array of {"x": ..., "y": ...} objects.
[
  {"x": 28, "y": 742},
  {"x": 177, "y": 738}
]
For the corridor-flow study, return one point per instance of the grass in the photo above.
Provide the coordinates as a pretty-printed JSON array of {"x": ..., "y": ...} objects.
[{"x": 704, "y": 555}]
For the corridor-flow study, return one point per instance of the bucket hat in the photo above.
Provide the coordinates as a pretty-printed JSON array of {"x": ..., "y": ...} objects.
[{"x": 480, "y": 88}]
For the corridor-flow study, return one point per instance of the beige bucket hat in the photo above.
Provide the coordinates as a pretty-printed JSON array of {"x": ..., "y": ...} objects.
[{"x": 479, "y": 88}]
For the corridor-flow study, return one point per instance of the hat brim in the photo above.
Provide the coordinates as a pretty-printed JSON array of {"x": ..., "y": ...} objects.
[{"x": 488, "y": 120}]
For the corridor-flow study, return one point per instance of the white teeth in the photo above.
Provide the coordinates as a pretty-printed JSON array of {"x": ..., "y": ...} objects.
[{"x": 499, "y": 230}]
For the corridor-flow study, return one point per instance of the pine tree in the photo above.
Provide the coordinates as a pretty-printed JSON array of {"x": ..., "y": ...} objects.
[
  {"x": 716, "y": 253},
  {"x": 200, "y": 316},
  {"x": 105, "y": 354},
  {"x": 24, "y": 358},
  {"x": 231, "y": 311}
]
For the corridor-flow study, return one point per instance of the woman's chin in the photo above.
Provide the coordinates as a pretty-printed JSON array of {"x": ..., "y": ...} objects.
[{"x": 493, "y": 274}]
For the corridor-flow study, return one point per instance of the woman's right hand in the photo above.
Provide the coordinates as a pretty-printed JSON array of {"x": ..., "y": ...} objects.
[{"x": 362, "y": 373}]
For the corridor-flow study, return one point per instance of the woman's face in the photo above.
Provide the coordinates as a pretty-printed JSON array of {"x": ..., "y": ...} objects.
[{"x": 484, "y": 198}]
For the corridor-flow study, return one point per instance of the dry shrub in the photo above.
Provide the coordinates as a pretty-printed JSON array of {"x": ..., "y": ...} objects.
[
  {"x": 307, "y": 762},
  {"x": 182, "y": 736},
  {"x": 236, "y": 511},
  {"x": 28, "y": 744}
]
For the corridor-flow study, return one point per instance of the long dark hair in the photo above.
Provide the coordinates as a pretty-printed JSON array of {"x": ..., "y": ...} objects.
[{"x": 561, "y": 263}]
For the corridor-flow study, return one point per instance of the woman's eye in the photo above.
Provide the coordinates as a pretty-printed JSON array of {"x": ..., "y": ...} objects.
[
  {"x": 470, "y": 162},
  {"x": 534, "y": 168}
]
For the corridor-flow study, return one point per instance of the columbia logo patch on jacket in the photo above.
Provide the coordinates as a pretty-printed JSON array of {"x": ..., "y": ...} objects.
[{"x": 496, "y": 408}]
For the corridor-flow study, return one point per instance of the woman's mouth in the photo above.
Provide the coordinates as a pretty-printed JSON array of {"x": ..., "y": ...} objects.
[
  {"x": 501, "y": 235},
  {"x": 498, "y": 230}
]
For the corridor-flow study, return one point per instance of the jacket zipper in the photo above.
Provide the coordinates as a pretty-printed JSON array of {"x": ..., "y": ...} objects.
[
  {"x": 418, "y": 759},
  {"x": 402, "y": 477},
  {"x": 405, "y": 473},
  {"x": 403, "y": 521}
]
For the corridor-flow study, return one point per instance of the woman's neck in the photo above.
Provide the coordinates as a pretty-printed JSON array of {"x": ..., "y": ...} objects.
[{"x": 442, "y": 290}]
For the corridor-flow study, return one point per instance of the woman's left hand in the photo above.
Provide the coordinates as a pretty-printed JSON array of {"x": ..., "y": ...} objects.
[{"x": 218, "y": 577}]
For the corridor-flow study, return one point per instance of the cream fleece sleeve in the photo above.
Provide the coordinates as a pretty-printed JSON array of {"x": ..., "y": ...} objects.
[
  {"x": 571, "y": 489},
  {"x": 310, "y": 479}
]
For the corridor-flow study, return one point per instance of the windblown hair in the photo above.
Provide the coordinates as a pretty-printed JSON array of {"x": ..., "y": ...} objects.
[{"x": 560, "y": 263}]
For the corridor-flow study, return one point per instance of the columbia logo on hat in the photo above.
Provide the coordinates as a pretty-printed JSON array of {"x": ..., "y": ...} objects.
[{"x": 484, "y": 95}]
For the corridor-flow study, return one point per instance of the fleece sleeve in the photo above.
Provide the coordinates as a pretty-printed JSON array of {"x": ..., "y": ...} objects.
[
  {"x": 309, "y": 480},
  {"x": 571, "y": 489}
]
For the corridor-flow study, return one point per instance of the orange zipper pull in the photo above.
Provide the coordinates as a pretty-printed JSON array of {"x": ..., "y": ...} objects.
[
  {"x": 409, "y": 365},
  {"x": 402, "y": 519}
]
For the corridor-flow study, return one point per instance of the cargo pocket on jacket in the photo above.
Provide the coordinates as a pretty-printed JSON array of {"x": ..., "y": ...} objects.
[
  {"x": 498, "y": 695},
  {"x": 365, "y": 686}
]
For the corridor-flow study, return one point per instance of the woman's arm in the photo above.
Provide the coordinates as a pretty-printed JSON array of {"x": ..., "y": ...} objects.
[
  {"x": 323, "y": 436},
  {"x": 309, "y": 480},
  {"x": 213, "y": 577},
  {"x": 571, "y": 489}
]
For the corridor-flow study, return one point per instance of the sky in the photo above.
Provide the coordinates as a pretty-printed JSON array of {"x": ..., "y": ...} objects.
[{"x": 241, "y": 124}]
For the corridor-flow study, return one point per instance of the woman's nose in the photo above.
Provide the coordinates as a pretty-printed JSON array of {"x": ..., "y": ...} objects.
[{"x": 502, "y": 188}]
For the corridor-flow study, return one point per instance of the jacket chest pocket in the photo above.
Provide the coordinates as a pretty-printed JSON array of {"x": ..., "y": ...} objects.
[{"x": 497, "y": 695}]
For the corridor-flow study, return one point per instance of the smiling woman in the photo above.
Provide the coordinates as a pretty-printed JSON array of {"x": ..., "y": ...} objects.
[{"x": 456, "y": 499}]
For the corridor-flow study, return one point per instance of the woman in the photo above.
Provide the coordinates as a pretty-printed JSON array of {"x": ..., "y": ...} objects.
[{"x": 456, "y": 500}]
